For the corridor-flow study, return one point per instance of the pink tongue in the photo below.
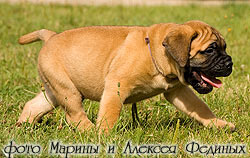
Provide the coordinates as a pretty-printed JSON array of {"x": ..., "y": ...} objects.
[{"x": 212, "y": 81}]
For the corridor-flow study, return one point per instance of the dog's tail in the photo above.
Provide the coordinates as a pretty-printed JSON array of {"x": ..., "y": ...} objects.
[{"x": 38, "y": 35}]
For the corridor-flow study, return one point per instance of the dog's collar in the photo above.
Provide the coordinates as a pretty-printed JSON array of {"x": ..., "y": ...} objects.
[{"x": 153, "y": 60}]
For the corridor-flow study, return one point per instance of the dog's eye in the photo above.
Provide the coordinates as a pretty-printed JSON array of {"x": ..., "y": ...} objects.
[{"x": 209, "y": 50}]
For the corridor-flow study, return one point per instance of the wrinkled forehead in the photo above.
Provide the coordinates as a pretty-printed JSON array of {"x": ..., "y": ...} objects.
[{"x": 206, "y": 36}]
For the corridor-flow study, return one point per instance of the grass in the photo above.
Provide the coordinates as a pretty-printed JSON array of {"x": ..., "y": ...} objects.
[{"x": 19, "y": 81}]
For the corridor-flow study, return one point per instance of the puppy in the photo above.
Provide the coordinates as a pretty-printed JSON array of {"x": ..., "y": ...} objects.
[{"x": 118, "y": 65}]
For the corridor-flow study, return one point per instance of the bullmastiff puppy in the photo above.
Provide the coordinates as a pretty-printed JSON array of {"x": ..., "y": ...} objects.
[{"x": 118, "y": 65}]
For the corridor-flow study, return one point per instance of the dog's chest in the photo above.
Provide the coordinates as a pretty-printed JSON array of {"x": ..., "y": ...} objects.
[{"x": 157, "y": 86}]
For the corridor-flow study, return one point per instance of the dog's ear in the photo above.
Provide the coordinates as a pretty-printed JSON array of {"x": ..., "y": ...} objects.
[{"x": 178, "y": 42}]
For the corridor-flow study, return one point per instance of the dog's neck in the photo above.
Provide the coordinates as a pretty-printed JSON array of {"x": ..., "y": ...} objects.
[
  {"x": 162, "y": 65},
  {"x": 157, "y": 67}
]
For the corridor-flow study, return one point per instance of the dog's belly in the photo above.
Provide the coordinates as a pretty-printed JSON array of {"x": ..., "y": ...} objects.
[
  {"x": 142, "y": 95},
  {"x": 92, "y": 93}
]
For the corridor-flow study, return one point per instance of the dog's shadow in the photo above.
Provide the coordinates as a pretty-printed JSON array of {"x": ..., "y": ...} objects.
[{"x": 145, "y": 123}]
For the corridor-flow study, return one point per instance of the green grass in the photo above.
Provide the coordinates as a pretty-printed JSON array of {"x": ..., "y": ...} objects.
[{"x": 19, "y": 81}]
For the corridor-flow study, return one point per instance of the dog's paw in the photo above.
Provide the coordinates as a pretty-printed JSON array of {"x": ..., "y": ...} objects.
[
  {"x": 18, "y": 124},
  {"x": 22, "y": 121},
  {"x": 218, "y": 123},
  {"x": 85, "y": 126}
]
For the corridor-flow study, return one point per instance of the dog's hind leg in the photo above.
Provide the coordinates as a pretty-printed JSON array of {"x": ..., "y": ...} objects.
[
  {"x": 67, "y": 96},
  {"x": 70, "y": 99},
  {"x": 37, "y": 107}
]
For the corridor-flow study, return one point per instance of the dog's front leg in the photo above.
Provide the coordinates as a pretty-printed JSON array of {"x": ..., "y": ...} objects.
[
  {"x": 111, "y": 105},
  {"x": 185, "y": 100}
]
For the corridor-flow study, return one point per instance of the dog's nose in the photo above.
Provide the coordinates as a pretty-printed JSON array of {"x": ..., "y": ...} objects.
[{"x": 229, "y": 64}]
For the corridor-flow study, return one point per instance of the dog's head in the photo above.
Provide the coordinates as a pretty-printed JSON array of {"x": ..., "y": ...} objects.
[{"x": 201, "y": 51}]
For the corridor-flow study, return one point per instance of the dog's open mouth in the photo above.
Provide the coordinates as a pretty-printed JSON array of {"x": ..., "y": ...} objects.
[
  {"x": 212, "y": 81},
  {"x": 205, "y": 80}
]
